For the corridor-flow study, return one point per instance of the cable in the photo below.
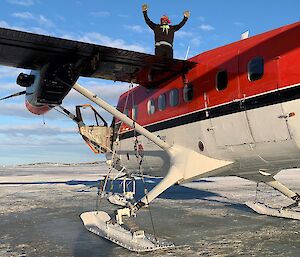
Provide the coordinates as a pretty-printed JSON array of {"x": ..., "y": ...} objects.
[
  {"x": 138, "y": 148},
  {"x": 146, "y": 195},
  {"x": 101, "y": 188},
  {"x": 60, "y": 112}
]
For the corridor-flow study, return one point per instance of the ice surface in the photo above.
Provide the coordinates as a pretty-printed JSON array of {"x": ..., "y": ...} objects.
[{"x": 40, "y": 207}]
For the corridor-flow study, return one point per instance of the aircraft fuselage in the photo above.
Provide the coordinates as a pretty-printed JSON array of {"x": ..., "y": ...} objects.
[{"x": 240, "y": 103}]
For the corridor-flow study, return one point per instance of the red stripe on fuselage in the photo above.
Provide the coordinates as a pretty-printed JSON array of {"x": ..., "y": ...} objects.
[{"x": 279, "y": 49}]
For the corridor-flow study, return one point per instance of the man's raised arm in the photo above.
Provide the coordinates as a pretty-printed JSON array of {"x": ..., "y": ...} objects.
[
  {"x": 147, "y": 20},
  {"x": 186, "y": 16}
]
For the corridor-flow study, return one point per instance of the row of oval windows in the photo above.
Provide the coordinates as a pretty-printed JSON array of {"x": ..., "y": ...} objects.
[
  {"x": 255, "y": 72},
  {"x": 188, "y": 94}
]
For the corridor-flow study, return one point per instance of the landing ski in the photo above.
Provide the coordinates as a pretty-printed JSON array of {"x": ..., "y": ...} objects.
[
  {"x": 101, "y": 224},
  {"x": 274, "y": 212}
]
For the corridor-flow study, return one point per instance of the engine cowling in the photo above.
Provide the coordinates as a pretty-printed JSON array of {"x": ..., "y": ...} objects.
[{"x": 46, "y": 88}]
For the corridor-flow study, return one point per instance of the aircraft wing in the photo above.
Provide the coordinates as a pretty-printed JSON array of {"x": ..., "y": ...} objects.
[{"x": 33, "y": 51}]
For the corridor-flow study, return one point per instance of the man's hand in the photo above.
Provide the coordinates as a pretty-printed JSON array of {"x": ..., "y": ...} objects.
[
  {"x": 144, "y": 7},
  {"x": 187, "y": 14}
]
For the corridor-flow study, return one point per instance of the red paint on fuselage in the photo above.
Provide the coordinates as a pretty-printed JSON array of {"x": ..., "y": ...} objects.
[{"x": 280, "y": 49}]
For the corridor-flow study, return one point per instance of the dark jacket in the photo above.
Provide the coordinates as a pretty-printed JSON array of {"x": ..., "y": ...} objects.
[{"x": 161, "y": 35}]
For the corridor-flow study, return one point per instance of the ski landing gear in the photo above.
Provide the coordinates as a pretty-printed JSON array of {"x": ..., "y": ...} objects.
[
  {"x": 120, "y": 228},
  {"x": 287, "y": 212},
  {"x": 118, "y": 232}
]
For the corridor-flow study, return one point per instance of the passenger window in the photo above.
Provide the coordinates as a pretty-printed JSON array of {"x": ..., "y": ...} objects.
[
  {"x": 151, "y": 107},
  {"x": 174, "y": 97},
  {"x": 135, "y": 112},
  {"x": 188, "y": 92},
  {"x": 161, "y": 102},
  {"x": 221, "y": 80},
  {"x": 255, "y": 68}
]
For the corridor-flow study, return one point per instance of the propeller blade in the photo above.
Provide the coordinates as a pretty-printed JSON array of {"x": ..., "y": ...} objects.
[{"x": 13, "y": 95}]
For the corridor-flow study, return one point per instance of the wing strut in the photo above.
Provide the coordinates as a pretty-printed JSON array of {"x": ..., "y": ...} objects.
[{"x": 186, "y": 164}]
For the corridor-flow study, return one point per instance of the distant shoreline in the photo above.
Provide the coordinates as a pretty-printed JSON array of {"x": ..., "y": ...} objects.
[
  {"x": 59, "y": 164},
  {"x": 51, "y": 164}
]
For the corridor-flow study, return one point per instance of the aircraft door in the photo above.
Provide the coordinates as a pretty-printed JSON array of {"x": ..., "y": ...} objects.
[
  {"x": 258, "y": 86},
  {"x": 288, "y": 75},
  {"x": 228, "y": 125}
]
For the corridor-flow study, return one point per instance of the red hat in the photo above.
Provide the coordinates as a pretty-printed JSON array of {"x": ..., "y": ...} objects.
[{"x": 165, "y": 18}]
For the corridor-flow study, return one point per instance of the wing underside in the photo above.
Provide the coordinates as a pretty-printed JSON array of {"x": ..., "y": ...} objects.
[{"x": 33, "y": 51}]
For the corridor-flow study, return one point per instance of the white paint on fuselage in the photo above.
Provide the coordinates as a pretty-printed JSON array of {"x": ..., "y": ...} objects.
[{"x": 262, "y": 138}]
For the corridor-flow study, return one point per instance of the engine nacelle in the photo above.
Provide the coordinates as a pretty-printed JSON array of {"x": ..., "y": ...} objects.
[
  {"x": 46, "y": 88},
  {"x": 31, "y": 101}
]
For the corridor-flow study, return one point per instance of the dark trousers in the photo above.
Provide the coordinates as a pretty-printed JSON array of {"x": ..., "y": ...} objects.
[{"x": 164, "y": 51}]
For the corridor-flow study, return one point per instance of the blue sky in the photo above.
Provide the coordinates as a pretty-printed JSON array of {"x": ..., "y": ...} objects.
[{"x": 24, "y": 138}]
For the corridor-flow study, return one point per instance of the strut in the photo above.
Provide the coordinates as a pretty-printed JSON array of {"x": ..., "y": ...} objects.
[{"x": 186, "y": 164}]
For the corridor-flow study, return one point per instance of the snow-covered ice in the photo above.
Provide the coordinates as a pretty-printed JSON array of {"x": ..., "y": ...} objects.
[{"x": 40, "y": 207}]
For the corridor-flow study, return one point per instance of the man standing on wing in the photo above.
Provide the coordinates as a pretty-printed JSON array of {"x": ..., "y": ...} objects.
[{"x": 164, "y": 33}]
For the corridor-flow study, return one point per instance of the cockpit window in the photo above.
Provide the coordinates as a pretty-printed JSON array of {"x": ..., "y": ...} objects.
[
  {"x": 126, "y": 112},
  {"x": 135, "y": 112}
]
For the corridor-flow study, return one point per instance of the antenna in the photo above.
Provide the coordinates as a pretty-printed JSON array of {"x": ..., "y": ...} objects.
[
  {"x": 245, "y": 35},
  {"x": 187, "y": 53}
]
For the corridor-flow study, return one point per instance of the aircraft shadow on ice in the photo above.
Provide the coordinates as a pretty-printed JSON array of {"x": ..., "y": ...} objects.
[{"x": 176, "y": 192}]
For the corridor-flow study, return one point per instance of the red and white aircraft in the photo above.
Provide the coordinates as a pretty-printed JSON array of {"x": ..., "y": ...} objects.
[{"x": 231, "y": 111}]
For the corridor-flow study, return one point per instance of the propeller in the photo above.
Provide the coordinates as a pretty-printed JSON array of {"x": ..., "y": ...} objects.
[{"x": 13, "y": 95}]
